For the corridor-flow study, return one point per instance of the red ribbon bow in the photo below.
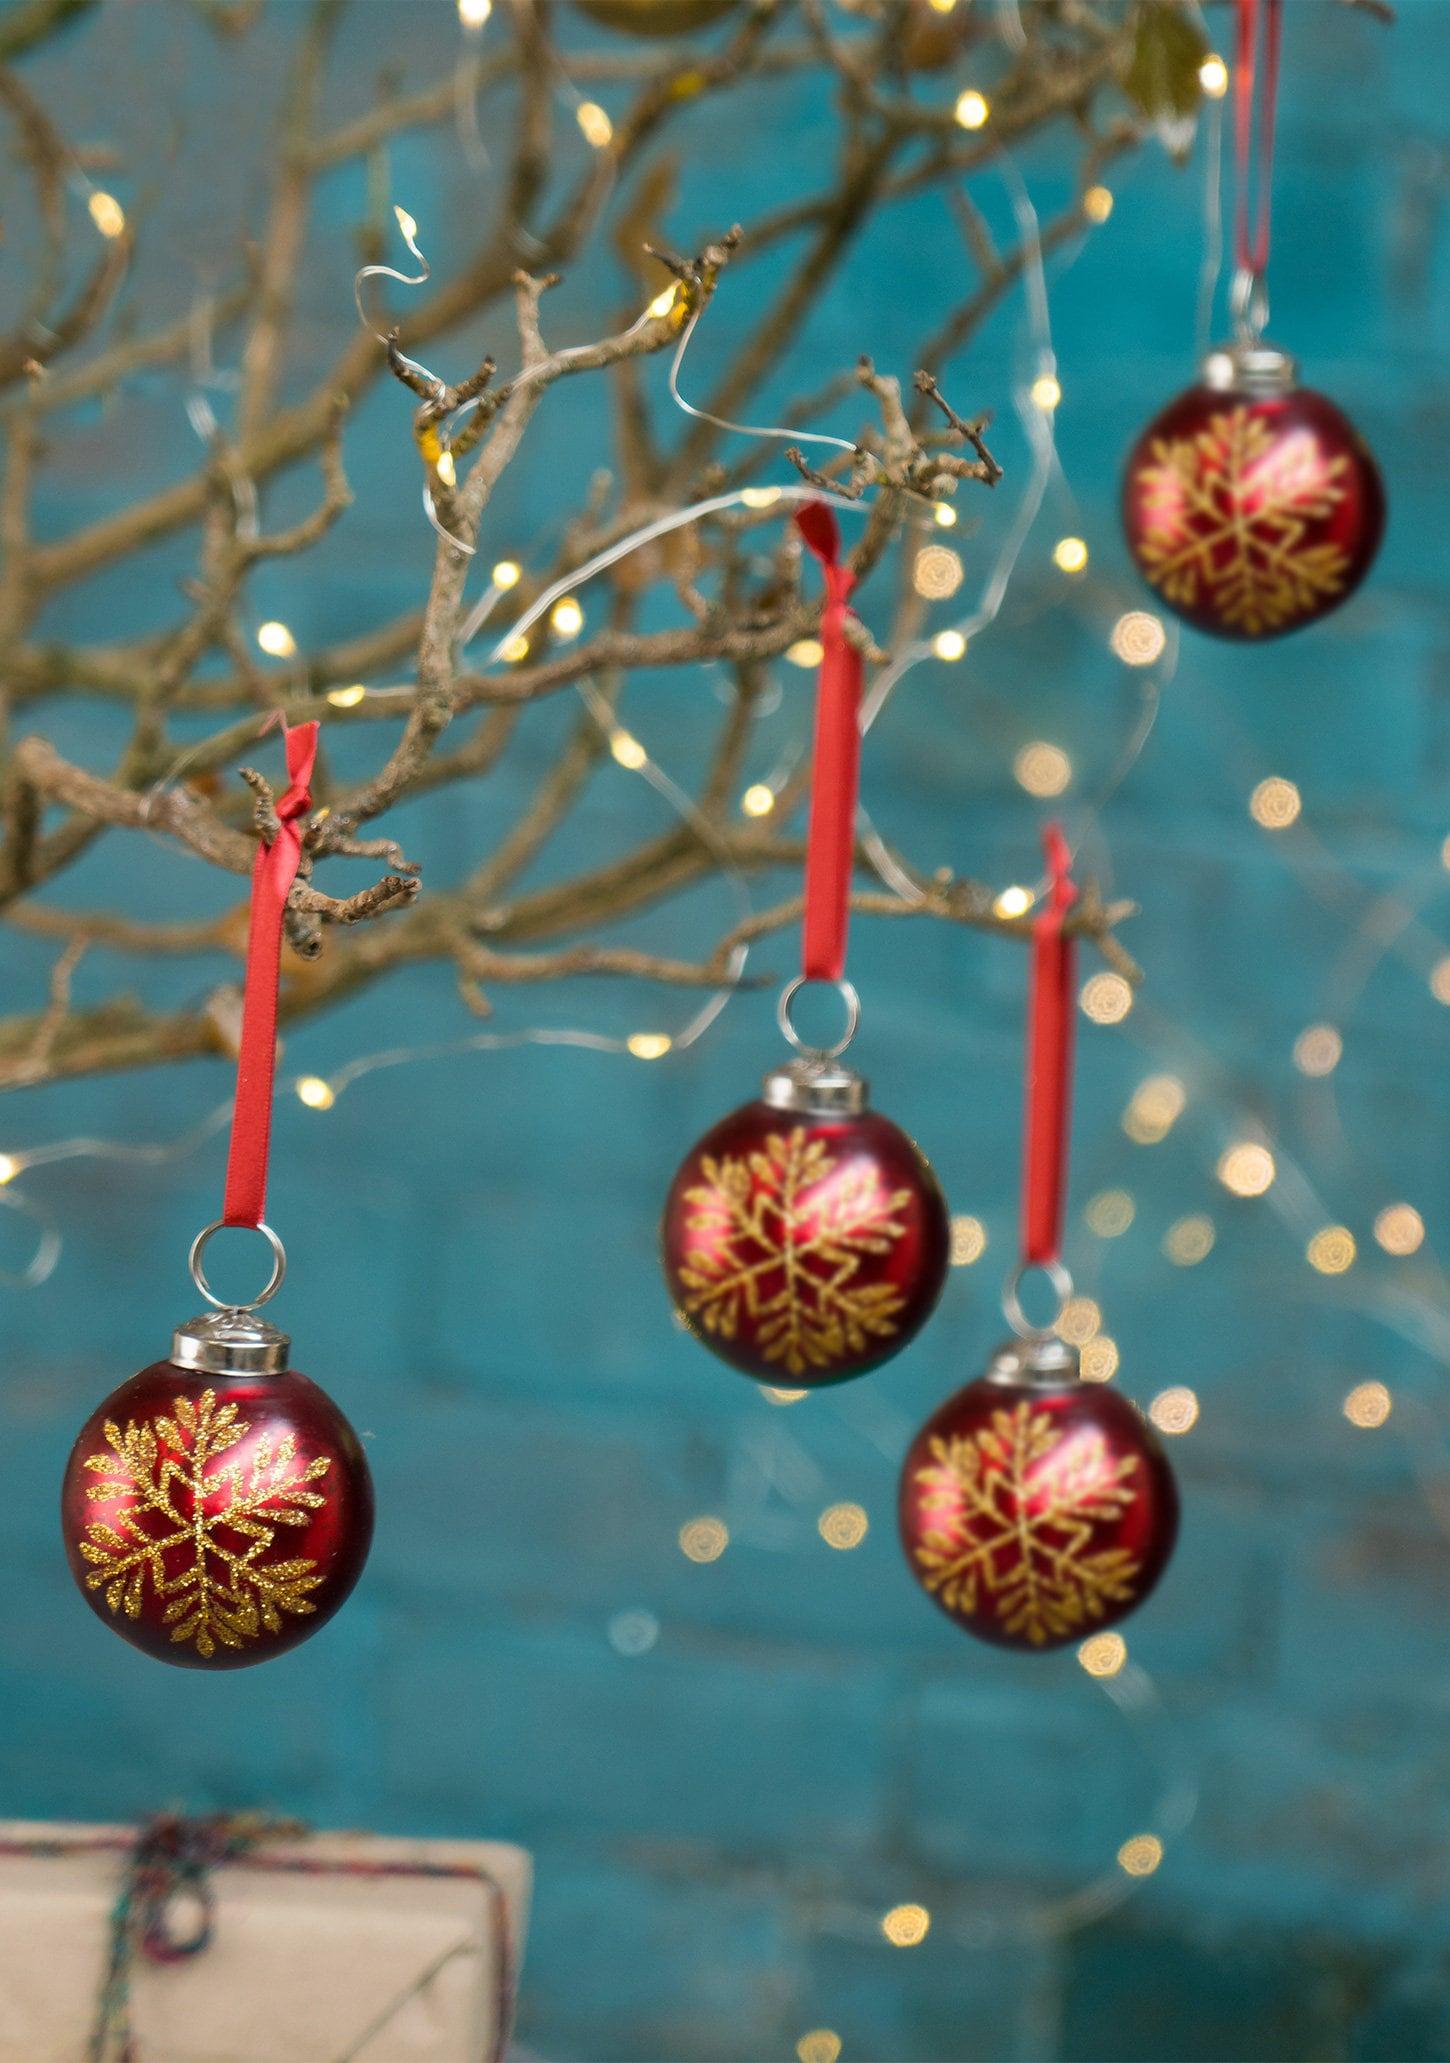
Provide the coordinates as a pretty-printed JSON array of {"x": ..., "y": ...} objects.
[
  {"x": 1050, "y": 1021},
  {"x": 836, "y": 761},
  {"x": 273, "y": 874}
]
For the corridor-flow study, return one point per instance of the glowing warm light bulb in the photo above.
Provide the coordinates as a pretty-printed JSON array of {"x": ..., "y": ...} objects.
[
  {"x": 760, "y": 497},
  {"x": 1174, "y": 1411},
  {"x": 446, "y": 469},
  {"x": 843, "y": 1526},
  {"x": 1138, "y": 638},
  {"x": 516, "y": 649},
  {"x": 567, "y": 618},
  {"x": 1099, "y": 1359},
  {"x": 1318, "y": 1049},
  {"x": 1400, "y": 1229},
  {"x": 946, "y": 519},
  {"x": 1042, "y": 769},
  {"x": 937, "y": 572},
  {"x": 9, "y": 1168},
  {"x": 1106, "y": 998},
  {"x": 506, "y": 573},
  {"x": 594, "y": 124},
  {"x": 107, "y": 214},
  {"x": 1140, "y": 1856},
  {"x": 805, "y": 652},
  {"x": 1156, "y": 1106},
  {"x": 1247, "y": 1169},
  {"x": 1332, "y": 1250},
  {"x": 1368, "y": 1404},
  {"x": 1097, "y": 203},
  {"x": 823, "y": 2044},
  {"x": 1046, "y": 392},
  {"x": 627, "y": 749},
  {"x": 315, "y": 1092},
  {"x": 406, "y": 223},
  {"x": 1015, "y": 901},
  {"x": 474, "y": 13},
  {"x": 1070, "y": 554},
  {"x": 906, "y": 1925},
  {"x": 663, "y": 301},
  {"x": 1104, "y": 1654},
  {"x": 1213, "y": 76},
  {"x": 969, "y": 1241},
  {"x": 347, "y": 698},
  {"x": 971, "y": 110},
  {"x": 704, "y": 1540},
  {"x": 1189, "y": 1240},
  {"x": 276, "y": 640},
  {"x": 1275, "y": 804},
  {"x": 758, "y": 800},
  {"x": 649, "y": 1045},
  {"x": 949, "y": 645},
  {"x": 773, "y": 1394},
  {"x": 1081, "y": 1319},
  {"x": 1110, "y": 1213}
]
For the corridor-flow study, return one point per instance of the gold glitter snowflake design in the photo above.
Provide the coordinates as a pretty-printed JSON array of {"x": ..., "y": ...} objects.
[
  {"x": 168, "y": 1493},
  {"x": 1018, "y": 1504},
  {"x": 779, "y": 1239},
  {"x": 1225, "y": 516}
]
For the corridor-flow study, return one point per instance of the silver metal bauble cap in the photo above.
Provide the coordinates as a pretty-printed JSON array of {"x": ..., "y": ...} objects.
[
  {"x": 1256, "y": 369},
  {"x": 230, "y": 1342},
  {"x": 816, "y": 1086},
  {"x": 1043, "y": 1358}
]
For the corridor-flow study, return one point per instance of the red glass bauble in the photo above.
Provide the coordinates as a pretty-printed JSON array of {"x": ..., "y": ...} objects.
[
  {"x": 216, "y": 1519},
  {"x": 805, "y": 1238},
  {"x": 1037, "y": 1508},
  {"x": 1252, "y": 505}
]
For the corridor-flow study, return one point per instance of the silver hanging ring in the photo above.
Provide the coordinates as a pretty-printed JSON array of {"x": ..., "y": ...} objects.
[
  {"x": 845, "y": 990},
  {"x": 1012, "y": 1309},
  {"x": 198, "y": 1273},
  {"x": 1249, "y": 304}
]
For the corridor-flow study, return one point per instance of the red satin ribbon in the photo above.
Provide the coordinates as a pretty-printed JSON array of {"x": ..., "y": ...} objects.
[
  {"x": 274, "y": 872},
  {"x": 836, "y": 764},
  {"x": 1254, "y": 151},
  {"x": 1050, "y": 1020}
]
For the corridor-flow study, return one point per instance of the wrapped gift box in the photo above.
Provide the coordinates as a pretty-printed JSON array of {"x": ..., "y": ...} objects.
[{"x": 330, "y": 1946}]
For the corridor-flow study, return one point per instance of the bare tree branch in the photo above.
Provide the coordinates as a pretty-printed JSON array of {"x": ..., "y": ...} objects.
[{"x": 720, "y": 600}]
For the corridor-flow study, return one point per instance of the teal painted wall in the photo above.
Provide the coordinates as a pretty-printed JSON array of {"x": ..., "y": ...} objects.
[{"x": 720, "y": 1818}]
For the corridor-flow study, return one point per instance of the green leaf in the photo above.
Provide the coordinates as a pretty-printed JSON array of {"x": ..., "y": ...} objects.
[{"x": 1168, "y": 48}]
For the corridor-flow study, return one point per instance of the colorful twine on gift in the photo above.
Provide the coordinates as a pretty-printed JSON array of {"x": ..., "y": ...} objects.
[{"x": 172, "y": 1857}]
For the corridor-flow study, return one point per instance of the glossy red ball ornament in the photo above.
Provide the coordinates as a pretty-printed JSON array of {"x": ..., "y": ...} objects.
[
  {"x": 217, "y": 1508},
  {"x": 1037, "y": 1508},
  {"x": 805, "y": 1239},
  {"x": 1251, "y": 504}
]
